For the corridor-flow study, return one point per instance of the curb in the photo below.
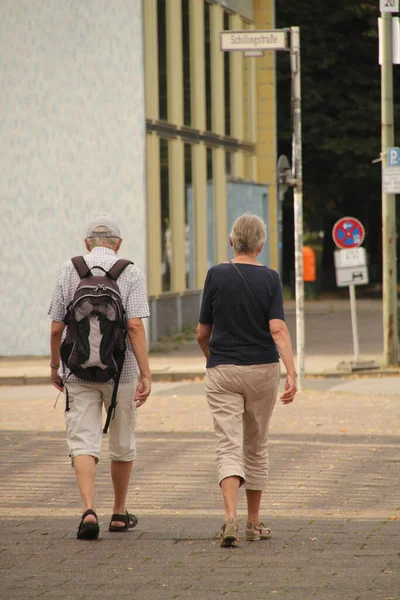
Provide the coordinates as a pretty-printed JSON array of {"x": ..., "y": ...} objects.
[{"x": 21, "y": 380}]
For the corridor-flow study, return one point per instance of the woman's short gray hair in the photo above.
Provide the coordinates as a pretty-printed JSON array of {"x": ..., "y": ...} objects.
[{"x": 248, "y": 234}]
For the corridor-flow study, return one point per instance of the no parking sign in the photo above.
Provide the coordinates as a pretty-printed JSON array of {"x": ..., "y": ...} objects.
[{"x": 348, "y": 233}]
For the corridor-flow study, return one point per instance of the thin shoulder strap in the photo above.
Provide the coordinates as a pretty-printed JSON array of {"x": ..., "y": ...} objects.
[
  {"x": 81, "y": 267},
  {"x": 258, "y": 303},
  {"x": 118, "y": 268}
]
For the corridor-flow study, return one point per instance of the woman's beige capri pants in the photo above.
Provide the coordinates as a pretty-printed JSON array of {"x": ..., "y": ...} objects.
[{"x": 241, "y": 399}]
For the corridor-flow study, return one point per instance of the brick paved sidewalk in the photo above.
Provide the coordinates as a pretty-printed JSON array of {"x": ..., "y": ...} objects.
[{"x": 333, "y": 503}]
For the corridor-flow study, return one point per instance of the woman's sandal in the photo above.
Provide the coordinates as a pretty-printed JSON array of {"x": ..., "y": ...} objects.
[
  {"x": 88, "y": 531},
  {"x": 129, "y": 520}
]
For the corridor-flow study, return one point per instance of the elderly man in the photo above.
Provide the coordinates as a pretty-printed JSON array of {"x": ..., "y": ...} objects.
[{"x": 86, "y": 398}]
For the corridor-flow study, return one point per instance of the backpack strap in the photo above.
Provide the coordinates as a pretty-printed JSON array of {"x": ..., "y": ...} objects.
[
  {"x": 81, "y": 267},
  {"x": 118, "y": 268}
]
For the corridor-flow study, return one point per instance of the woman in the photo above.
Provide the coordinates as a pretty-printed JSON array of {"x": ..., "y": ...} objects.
[{"x": 242, "y": 332}]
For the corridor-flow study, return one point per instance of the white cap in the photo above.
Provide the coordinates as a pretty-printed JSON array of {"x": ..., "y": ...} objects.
[{"x": 103, "y": 221}]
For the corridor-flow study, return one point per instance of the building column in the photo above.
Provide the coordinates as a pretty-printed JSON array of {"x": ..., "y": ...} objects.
[
  {"x": 176, "y": 146},
  {"x": 252, "y": 114},
  {"x": 237, "y": 129},
  {"x": 153, "y": 205},
  {"x": 264, "y": 18},
  {"x": 199, "y": 151},
  {"x": 218, "y": 126}
]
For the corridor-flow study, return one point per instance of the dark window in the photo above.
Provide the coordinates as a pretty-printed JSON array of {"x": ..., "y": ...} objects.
[
  {"x": 162, "y": 58},
  {"x": 189, "y": 218},
  {"x": 227, "y": 81},
  {"x": 228, "y": 163},
  {"x": 165, "y": 224},
  {"x": 210, "y": 209},
  {"x": 186, "y": 62}
]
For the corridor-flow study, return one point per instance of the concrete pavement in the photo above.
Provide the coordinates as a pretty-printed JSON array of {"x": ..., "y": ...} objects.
[{"x": 333, "y": 503}]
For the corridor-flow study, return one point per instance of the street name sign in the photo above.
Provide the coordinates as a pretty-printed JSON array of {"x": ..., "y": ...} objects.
[
  {"x": 273, "y": 39},
  {"x": 391, "y": 180},
  {"x": 348, "y": 233},
  {"x": 389, "y": 6}
]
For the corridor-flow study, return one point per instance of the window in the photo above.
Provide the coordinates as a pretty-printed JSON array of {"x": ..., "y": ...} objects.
[
  {"x": 165, "y": 224},
  {"x": 210, "y": 209},
  {"x": 227, "y": 80},
  {"x": 186, "y": 62},
  {"x": 189, "y": 219}
]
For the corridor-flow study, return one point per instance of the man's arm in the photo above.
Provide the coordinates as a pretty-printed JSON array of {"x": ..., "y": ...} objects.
[
  {"x": 281, "y": 337},
  {"x": 203, "y": 335},
  {"x": 56, "y": 332},
  {"x": 137, "y": 338}
]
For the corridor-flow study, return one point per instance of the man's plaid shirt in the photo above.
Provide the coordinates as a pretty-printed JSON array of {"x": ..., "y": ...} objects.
[{"x": 133, "y": 292}]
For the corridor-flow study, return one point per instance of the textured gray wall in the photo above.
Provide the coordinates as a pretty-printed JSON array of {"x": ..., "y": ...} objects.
[
  {"x": 72, "y": 146},
  {"x": 243, "y": 7}
]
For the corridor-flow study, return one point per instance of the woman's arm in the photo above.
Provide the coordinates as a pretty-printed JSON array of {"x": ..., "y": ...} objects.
[
  {"x": 281, "y": 337},
  {"x": 203, "y": 335}
]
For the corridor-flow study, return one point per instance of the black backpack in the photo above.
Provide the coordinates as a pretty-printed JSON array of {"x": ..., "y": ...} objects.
[{"x": 94, "y": 346}]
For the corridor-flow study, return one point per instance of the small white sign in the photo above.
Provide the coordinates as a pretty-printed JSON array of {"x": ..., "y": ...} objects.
[
  {"x": 353, "y": 257},
  {"x": 389, "y": 5},
  {"x": 391, "y": 180},
  {"x": 352, "y": 276},
  {"x": 256, "y": 39}
]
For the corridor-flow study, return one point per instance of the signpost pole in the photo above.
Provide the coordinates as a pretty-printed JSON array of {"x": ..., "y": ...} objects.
[
  {"x": 354, "y": 324},
  {"x": 298, "y": 199},
  {"x": 389, "y": 266}
]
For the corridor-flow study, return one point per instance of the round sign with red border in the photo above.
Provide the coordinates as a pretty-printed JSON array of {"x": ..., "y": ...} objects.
[{"x": 348, "y": 232}]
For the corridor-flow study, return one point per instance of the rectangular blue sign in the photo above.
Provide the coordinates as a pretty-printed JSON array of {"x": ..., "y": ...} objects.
[{"x": 393, "y": 157}]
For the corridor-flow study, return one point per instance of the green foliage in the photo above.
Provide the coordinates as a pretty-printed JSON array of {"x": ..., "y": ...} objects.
[{"x": 340, "y": 109}]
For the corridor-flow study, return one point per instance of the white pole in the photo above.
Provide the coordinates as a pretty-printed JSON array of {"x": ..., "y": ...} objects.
[
  {"x": 298, "y": 200},
  {"x": 389, "y": 266},
  {"x": 354, "y": 324}
]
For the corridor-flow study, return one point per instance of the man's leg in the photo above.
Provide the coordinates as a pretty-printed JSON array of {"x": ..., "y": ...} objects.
[
  {"x": 122, "y": 444},
  {"x": 83, "y": 422},
  {"x": 120, "y": 475},
  {"x": 85, "y": 472}
]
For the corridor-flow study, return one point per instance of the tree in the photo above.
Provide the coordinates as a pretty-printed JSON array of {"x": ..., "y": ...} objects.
[{"x": 340, "y": 116}]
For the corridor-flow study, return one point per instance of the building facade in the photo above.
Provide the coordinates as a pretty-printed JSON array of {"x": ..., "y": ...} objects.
[
  {"x": 72, "y": 146},
  {"x": 210, "y": 146},
  {"x": 129, "y": 107}
]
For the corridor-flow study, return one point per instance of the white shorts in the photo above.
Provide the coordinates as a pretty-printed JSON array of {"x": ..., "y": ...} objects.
[{"x": 84, "y": 420}]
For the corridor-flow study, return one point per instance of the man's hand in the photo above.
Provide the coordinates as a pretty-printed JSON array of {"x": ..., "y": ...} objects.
[
  {"x": 290, "y": 390},
  {"x": 56, "y": 380},
  {"x": 143, "y": 390}
]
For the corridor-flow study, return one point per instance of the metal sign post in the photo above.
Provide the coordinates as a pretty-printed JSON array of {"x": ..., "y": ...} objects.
[
  {"x": 298, "y": 198},
  {"x": 351, "y": 270},
  {"x": 390, "y": 183},
  {"x": 354, "y": 324},
  {"x": 258, "y": 41}
]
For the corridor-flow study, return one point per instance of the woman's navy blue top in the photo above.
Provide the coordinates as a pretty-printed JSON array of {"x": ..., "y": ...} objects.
[{"x": 240, "y": 327}]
